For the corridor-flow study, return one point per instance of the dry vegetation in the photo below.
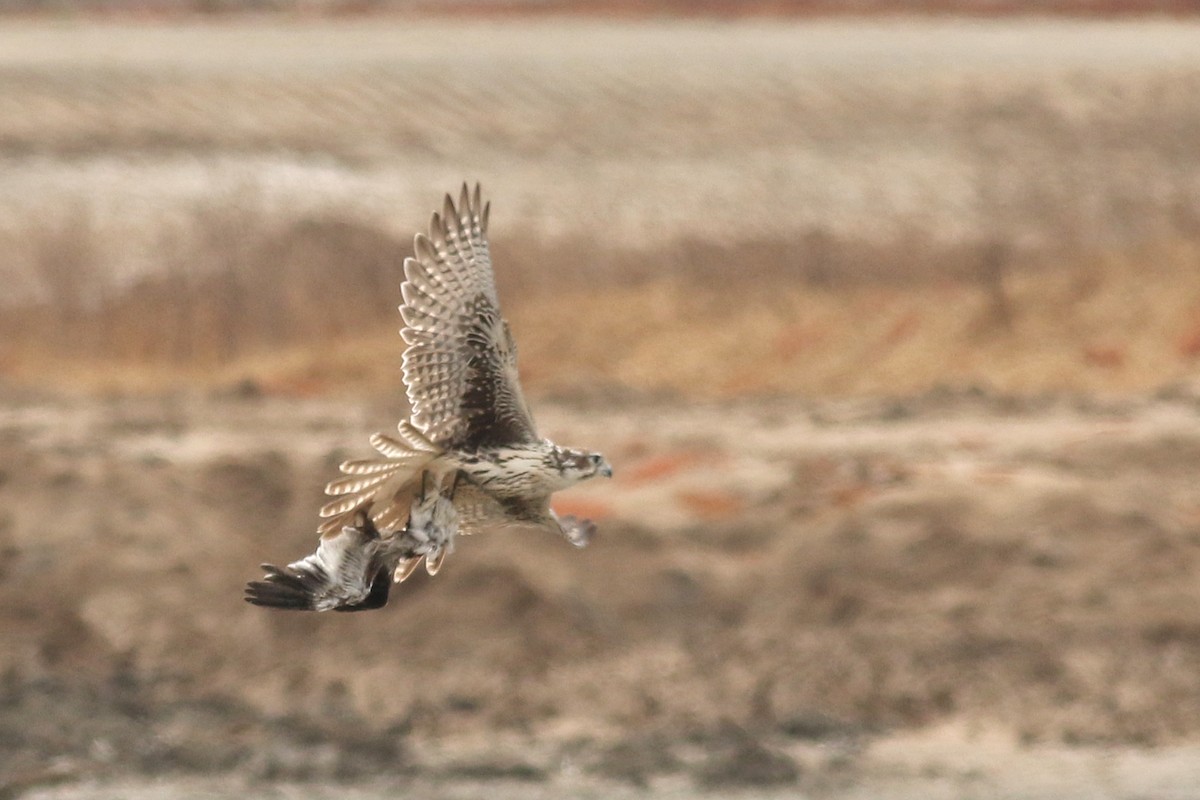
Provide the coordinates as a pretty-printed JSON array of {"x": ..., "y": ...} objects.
[
  {"x": 742, "y": 222},
  {"x": 965, "y": 254},
  {"x": 310, "y": 307}
]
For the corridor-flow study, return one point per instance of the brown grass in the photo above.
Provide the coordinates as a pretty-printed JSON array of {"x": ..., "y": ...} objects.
[
  {"x": 309, "y": 307},
  {"x": 1028, "y": 231},
  {"x": 1106, "y": 323}
]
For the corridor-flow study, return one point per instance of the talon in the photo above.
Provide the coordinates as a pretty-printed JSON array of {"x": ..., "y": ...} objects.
[
  {"x": 364, "y": 523},
  {"x": 578, "y": 532},
  {"x": 405, "y": 568}
]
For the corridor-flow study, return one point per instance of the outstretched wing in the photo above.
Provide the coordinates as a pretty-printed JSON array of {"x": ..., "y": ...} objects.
[
  {"x": 460, "y": 367},
  {"x": 480, "y": 511}
]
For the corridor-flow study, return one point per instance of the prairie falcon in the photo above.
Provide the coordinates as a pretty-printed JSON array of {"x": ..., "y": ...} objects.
[{"x": 468, "y": 459}]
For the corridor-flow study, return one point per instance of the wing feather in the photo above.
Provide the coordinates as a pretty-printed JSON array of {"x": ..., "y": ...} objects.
[
  {"x": 395, "y": 449},
  {"x": 354, "y": 484},
  {"x": 415, "y": 439},
  {"x": 365, "y": 466},
  {"x": 460, "y": 367},
  {"x": 392, "y": 518},
  {"x": 350, "y": 571},
  {"x": 336, "y": 508},
  {"x": 386, "y": 486},
  {"x": 480, "y": 511}
]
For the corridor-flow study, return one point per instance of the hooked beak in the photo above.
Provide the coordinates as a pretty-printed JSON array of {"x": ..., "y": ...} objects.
[{"x": 604, "y": 469}]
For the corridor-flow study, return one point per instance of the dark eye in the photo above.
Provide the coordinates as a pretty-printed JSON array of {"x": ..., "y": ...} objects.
[{"x": 595, "y": 460}]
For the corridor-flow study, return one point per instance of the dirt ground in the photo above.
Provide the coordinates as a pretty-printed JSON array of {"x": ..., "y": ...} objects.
[
  {"x": 945, "y": 595},
  {"x": 898, "y": 591}
]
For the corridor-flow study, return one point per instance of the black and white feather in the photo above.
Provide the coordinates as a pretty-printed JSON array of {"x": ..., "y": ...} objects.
[
  {"x": 460, "y": 368},
  {"x": 348, "y": 572}
]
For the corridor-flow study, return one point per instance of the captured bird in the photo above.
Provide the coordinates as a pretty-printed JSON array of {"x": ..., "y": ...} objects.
[{"x": 469, "y": 457}]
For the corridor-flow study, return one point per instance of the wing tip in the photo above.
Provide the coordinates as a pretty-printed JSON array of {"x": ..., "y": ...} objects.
[
  {"x": 424, "y": 249},
  {"x": 452, "y": 217},
  {"x": 464, "y": 200},
  {"x": 279, "y": 589}
]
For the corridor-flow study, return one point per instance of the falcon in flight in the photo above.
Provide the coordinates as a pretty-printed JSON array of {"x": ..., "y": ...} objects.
[{"x": 469, "y": 457}]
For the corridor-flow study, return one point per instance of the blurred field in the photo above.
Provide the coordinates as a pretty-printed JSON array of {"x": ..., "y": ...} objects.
[
  {"x": 890, "y": 328},
  {"x": 950, "y": 594},
  {"x": 1003, "y": 202}
]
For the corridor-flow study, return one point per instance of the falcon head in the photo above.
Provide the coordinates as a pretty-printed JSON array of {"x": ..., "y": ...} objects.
[{"x": 579, "y": 465}]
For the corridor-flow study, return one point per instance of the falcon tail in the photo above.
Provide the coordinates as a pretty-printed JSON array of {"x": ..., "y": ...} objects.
[{"x": 386, "y": 486}]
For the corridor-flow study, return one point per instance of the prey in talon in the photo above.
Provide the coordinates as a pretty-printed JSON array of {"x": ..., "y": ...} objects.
[{"x": 468, "y": 458}]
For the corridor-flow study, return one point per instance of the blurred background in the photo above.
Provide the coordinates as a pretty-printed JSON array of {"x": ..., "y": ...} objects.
[{"x": 887, "y": 316}]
